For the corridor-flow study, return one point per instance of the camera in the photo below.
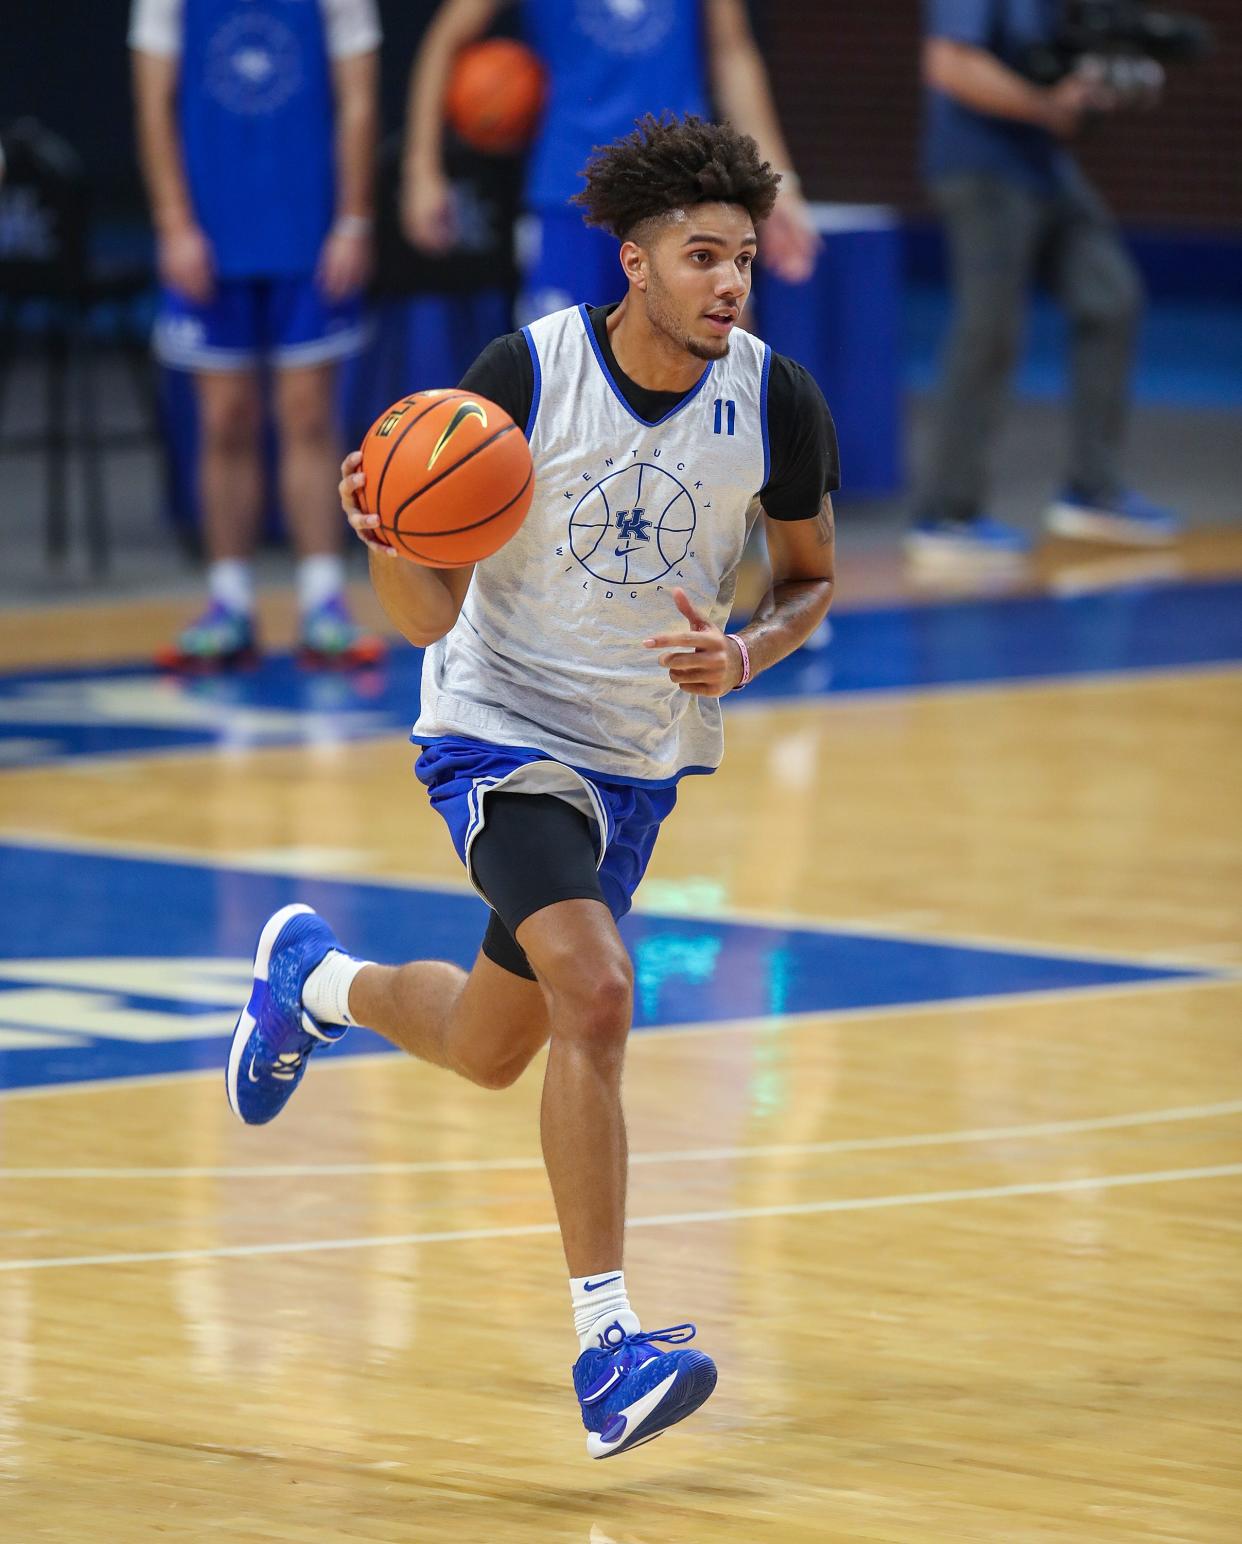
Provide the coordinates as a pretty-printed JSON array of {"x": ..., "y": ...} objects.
[{"x": 1121, "y": 45}]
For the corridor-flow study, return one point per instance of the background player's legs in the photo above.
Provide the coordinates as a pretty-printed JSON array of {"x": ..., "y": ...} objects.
[
  {"x": 485, "y": 1025},
  {"x": 1096, "y": 280},
  {"x": 309, "y": 457},
  {"x": 992, "y": 230},
  {"x": 230, "y": 465}
]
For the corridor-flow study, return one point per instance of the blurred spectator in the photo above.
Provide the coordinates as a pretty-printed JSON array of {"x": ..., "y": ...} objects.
[
  {"x": 1016, "y": 206},
  {"x": 609, "y": 62},
  {"x": 256, "y": 128}
]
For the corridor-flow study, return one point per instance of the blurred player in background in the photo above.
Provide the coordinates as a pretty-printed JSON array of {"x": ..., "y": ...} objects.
[
  {"x": 609, "y": 62},
  {"x": 1015, "y": 205},
  {"x": 256, "y": 129},
  {"x": 570, "y": 681}
]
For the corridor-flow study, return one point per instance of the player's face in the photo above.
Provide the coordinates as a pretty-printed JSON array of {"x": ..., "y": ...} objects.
[{"x": 698, "y": 277}]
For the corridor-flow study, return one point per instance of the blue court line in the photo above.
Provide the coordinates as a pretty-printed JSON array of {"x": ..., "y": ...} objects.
[
  {"x": 52, "y": 715},
  {"x": 75, "y": 906}
]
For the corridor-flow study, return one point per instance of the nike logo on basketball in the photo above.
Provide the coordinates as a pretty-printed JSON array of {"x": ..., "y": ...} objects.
[
  {"x": 466, "y": 410},
  {"x": 593, "y": 1286}
]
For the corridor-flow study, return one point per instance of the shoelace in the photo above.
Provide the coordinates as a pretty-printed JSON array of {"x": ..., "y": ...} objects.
[
  {"x": 288, "y": 1064},
  {"x": 676, "y": 1335}
]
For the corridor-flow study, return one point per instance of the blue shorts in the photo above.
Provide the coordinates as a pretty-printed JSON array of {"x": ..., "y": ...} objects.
[
  {"x": 285, "y": 322},
  {"x": 566, "y": 263},
  {"x": 460, "y": 774}
]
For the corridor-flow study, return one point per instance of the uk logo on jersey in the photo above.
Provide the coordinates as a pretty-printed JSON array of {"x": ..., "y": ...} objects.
[
  {"x": 627, "y": 26},
  {"x": 634, "y": 525}
]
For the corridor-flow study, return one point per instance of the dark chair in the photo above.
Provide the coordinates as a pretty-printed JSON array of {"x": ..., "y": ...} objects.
[{"x": 54, "y": 296}]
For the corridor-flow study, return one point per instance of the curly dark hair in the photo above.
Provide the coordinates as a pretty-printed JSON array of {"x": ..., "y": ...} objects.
[{"x": 669, "y": 163}]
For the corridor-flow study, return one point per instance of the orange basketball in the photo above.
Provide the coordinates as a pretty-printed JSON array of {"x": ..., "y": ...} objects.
[
  {"x": 450, "y": 476},
  {"x": 495, "y": 95}
]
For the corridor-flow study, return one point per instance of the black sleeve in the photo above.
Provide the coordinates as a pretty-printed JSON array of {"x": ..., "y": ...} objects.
[
  {"x": 505, "y": 373},
  {"x": 802, "y": 439}
]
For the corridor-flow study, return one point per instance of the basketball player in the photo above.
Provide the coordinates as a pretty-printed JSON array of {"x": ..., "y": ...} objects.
[
  {"x": 608, "y": 62},
  {"x": 570, "y": 681},
  {"x": 256, "y": 125}
]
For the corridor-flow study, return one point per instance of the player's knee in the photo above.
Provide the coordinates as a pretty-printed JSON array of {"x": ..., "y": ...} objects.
[
  {"x": 594, "y": 1006},
  {"x": 497, "y": 1072},
  {"x": 304, "y": 413},
  {"x": 230, "y": 423}
]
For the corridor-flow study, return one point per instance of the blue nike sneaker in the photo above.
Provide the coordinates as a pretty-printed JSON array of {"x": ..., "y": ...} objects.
[
  {"x": 274, "y": 1034},
  {"x": 629, "y": 1391}
]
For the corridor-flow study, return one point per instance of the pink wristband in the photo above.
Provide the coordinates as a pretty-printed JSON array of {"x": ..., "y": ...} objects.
[{"x": 745, "y": 662}]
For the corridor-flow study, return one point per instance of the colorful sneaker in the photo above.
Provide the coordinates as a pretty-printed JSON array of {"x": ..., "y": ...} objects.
[
  {"x": 331, "y": 637},
  {"x": 274, "y": 1034},
  {"x": 629, "y": 1391},
  {"x": 981, "y": 542},
  {"x": 221, "y": 639},
  {"x": 1126, "y": 517}
]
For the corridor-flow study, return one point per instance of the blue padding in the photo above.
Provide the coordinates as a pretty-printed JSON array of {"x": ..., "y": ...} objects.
[{"x": 844, "y": 326}]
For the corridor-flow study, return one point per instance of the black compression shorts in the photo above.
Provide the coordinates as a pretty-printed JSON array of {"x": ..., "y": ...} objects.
[{"x": 535, "y": 849}]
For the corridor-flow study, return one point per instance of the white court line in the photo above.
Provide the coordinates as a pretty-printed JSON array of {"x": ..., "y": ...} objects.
[
  {"x": 667, "y": 1220},
  {"x": 1096, "y": 680},
  {"x": 1052, "y": 1128},
  {"x": 770, "y": 1024}
]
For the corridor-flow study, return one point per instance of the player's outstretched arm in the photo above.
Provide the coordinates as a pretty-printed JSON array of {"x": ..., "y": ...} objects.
[{"x": 422, "y": 603}]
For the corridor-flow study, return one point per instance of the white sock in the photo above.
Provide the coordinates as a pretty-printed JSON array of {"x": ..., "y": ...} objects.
[
  {"x": 600, "y": 1301},
  {"x": 230, "y": 582},
  {"x": 326, "y": 993},
  {"x": 320, "y": 577}
]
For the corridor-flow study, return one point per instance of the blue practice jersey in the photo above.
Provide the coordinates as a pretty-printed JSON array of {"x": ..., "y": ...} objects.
[
  {"x": 255, "y": 101},
  {"x": 609, "y": 62}
]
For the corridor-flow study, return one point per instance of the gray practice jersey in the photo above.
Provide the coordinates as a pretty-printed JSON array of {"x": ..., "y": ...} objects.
[{"x": 548, "y": 650}]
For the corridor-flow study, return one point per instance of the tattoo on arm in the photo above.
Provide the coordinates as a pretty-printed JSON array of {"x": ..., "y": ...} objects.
[{"x": 825, "y": 522}]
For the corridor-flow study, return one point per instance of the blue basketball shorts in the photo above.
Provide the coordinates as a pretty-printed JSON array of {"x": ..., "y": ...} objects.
[
  {"x": 460, "y": 775},
  {"x": 284, "y": 322},
  {"x": 565, "y": 263}
]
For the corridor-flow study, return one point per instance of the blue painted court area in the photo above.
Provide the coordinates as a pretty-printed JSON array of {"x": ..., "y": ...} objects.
[
  {"x": 52, "y": 715},
  {"x": 115, "y": 967}
]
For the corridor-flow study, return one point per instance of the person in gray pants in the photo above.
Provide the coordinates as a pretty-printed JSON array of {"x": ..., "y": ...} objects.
[{"x": 1016, "y": 208}]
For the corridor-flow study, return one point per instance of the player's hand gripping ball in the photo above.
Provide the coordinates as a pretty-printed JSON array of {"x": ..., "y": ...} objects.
[{"x": 449, "y": 475}]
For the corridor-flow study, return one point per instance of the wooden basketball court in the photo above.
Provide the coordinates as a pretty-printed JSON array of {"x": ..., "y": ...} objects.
[{"x": 935, "y": 1104}]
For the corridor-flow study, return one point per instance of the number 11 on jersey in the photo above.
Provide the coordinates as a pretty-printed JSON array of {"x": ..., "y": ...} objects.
[{"x": 725, "y": 410}]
